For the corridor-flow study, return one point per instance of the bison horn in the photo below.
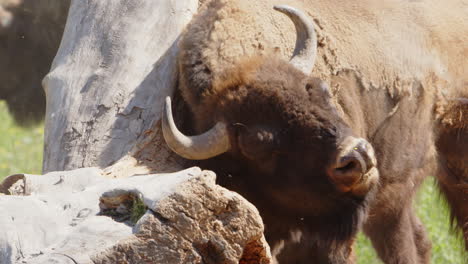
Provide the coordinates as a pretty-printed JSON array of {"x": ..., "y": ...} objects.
[
  {"x": 306, "y": 42},
  {"x": 207, "y": 145}
]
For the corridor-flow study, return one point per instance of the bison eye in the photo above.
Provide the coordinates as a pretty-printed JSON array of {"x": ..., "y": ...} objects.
[
  {"x": 265, "y": 136},
  {"x": 257, "y": 144}
]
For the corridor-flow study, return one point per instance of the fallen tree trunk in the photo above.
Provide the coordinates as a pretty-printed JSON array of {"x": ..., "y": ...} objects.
[{"x": 105, "y": 91}]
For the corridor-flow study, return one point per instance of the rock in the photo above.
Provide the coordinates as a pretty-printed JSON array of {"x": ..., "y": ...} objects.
[
  {"x": 82, "y": 217},
  {"x": 199, "y": 222}
]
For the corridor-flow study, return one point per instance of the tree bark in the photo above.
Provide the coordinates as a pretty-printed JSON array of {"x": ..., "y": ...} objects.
[{"x": 106, "y": 88}]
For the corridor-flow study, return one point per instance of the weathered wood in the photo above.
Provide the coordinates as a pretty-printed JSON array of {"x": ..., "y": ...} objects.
[{"x": 108, "y": 81}]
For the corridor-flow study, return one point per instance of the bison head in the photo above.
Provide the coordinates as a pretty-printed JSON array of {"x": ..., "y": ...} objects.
[{"x": 281, "y": 123}]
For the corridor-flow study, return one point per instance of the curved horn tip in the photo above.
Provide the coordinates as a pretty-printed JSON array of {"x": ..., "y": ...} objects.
[
  {"x": 306, "y": 43},
  {"x": 284, "y": 8},
  {"x": 207, "y": 145},
  {"x": 168, "y": 102}
]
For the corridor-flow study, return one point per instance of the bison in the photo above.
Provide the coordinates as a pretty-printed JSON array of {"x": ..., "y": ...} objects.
[
  {"x": 30, "y": 34},
  {"x": 339, "y": 137}
]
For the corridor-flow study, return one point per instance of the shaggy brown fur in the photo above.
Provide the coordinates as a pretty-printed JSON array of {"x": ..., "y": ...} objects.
[
  {"x": 452, "y": 144},
  {"x": 391, "y": 66},
  {"x": 285, "y": 132},
  {"x": 27, "y": 48}
]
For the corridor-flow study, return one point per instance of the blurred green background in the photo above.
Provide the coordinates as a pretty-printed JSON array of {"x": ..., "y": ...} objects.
[
  {"x": 21, "y": 152},
  {"x": 20, "y": 147}
]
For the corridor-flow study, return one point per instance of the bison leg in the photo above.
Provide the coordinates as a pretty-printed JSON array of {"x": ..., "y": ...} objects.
[
  {"x": 452, "y": 146},
  {"x": 395, "y": 231},
  {"x": 423, "y": 243}
]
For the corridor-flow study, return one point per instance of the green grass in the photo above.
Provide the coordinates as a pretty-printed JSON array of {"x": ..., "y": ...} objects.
[
  {"x": 138, "y": 210},
  {"x": 433, "y": 212},
  {"x": 20, "y": 147},
  {"x": 21, "y": 152}
]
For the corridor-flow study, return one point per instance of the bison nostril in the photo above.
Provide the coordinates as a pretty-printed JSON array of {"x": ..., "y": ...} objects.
[
  {"x": 349, "y": 165},
  {"x": 355, "y": 158},
  {"x": 348, "y": 170},
  {"x": 353, "y": 162}
]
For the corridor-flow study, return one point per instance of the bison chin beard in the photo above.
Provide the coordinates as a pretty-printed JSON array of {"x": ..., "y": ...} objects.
[
  {"x": 327, "y": 222},
  {"x": 316, "y": 237}
]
